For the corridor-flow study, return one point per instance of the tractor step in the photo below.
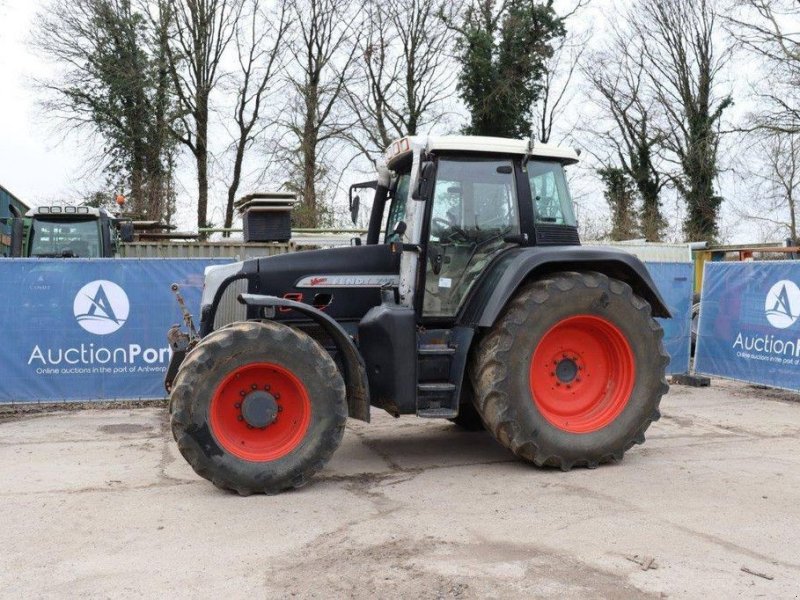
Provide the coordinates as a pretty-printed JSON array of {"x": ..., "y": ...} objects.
[
  {"x": 437, "y": 413},
  {"x": 436, "y": 400},
  {"x": 436, "y": 350},
  {"x": 436, "y": 388}
]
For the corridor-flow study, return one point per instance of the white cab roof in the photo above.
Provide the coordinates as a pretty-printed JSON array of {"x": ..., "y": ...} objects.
[{"x": 469, "y": 143}]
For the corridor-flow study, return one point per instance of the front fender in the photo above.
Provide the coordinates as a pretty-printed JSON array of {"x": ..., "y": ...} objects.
[
  {"x": 355, "y": 372},
  {"x": 516, "y": 266}
]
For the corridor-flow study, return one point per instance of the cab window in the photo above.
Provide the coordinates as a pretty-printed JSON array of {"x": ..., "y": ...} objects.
[
  {"x": 397, "y": 208},
  {"x": 474, "y": 211},
  {"x": 552, "y": 203}
]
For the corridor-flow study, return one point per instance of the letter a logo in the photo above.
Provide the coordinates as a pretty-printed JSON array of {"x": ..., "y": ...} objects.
[
  {"x": 101, "y": 307},
  {"x": 782, "y": 305}
]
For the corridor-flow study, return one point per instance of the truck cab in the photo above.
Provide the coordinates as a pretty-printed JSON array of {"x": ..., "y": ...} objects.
[{"x": 68, "y": 232}]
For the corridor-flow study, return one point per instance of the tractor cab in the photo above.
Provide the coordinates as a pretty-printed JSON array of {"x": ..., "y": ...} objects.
[{"x": 469, "y": 199}]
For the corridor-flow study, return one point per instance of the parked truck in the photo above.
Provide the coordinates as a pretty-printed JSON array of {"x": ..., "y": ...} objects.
[{"x": 66, "y": 232}]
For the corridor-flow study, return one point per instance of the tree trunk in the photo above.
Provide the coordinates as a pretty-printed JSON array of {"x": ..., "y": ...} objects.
[
  {"x": 201, "y": 156},
  {"x": 234, "y": 187},
  {"x": 310, "y": 216}
]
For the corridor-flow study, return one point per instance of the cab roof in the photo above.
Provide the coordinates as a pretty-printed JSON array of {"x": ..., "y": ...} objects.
[{"x": 401, "y": 148}]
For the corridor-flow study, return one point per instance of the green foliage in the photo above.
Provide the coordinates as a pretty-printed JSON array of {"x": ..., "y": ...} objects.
[
  {"x": 620, "y": 194},
  {"x": 503, "y": 57},
  {"x": 117, "y": 86}
]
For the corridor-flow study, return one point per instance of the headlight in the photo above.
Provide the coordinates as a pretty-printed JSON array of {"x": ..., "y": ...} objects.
[{"x": 213, "y": 278}]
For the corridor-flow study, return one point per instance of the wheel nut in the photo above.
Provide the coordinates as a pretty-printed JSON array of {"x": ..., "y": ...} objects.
[
  {"x": 266, "y": 388},
  {"x": 254, "y": 386},
  {"x": 280, "y": 408},
  {"x": 240, "y": 418},
  {"x": 276, "y": 396},
  {"x": 238, "y": 405},
  {"x": 242, "y": 393}
]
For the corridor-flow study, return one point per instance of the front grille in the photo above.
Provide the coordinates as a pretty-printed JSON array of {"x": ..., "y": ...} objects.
[{"x": 229, "y": 309}]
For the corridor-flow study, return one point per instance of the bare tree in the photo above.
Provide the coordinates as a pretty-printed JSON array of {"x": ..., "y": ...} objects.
[
  {"x": 200, "y": 32},
  {"x": 404, "y": 73},
  {"x": 259, "y": 39},
  {"x": 683, "y": 59},
  {"x": 771, "y": 181},
  {"x": 768, "y": 29},
  {"x": 556, "y": 93},
  {"x": 322, "y": 55},
  {"x": 617, "y": 75}
]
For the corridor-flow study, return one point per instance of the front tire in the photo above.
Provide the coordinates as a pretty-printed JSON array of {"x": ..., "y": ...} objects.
[
  {"x": 572, "y": 372},
  {"x": 258, "y": 407}
]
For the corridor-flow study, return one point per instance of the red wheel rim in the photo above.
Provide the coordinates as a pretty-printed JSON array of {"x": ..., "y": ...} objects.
[
  {"x": 582, "y": 374},
  {"x": 276, "y": 439}
]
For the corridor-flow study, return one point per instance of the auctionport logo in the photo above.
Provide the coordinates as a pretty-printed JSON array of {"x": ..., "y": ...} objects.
[
  {"x": 782, "y": 305},
  {"x": 101, "y": 307}
]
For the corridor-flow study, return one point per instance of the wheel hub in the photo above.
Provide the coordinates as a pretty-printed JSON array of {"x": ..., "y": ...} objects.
[
  {"x": 566, "y": 370},
  {"x": 259, "y": 409}
]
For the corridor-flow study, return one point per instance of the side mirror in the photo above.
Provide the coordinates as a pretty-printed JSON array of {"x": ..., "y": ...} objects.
[
  {"x": 17, "y": 236},
  {"x": 354, "y": 206},
  {"x": 426, "y": 182},
  {"x": 126, "y": 231}
]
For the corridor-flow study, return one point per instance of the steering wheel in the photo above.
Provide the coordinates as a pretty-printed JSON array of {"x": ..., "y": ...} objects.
[{"x": 454, "y": 233}]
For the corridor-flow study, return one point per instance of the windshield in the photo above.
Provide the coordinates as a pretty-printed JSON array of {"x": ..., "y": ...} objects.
[{"x": 78, "y": 238}]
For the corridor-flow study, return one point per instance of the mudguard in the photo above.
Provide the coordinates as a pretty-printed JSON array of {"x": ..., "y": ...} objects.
[
  {"x": 512, "y": 268},
  {"x": 354, "y": 372}
]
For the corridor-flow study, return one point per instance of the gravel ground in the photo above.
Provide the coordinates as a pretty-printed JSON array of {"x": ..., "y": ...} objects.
[{"x": 98, "y": 503}]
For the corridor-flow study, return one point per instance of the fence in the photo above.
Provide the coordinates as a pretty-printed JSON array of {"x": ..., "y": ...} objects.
[
  {"x": 749, "y": 327},
  {"x": 90, "y": 329}
]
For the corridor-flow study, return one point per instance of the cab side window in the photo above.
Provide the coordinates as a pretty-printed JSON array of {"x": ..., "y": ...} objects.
[{"x": 552, "y": 203}]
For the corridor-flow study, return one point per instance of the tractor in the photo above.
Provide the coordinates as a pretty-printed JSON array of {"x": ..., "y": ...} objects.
[{"x": 471, "y": 299}]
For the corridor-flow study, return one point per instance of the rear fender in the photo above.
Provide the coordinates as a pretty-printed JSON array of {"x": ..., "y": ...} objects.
[
  {"x": 517, "y": 266},
  {"x": 354, "y": 372}
]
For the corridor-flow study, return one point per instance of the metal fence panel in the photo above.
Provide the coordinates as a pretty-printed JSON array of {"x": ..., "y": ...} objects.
[
  {"x": 675, "y": 282},
  {"x": 88, "y": 329},
  {"x": 749, "y": 326}
]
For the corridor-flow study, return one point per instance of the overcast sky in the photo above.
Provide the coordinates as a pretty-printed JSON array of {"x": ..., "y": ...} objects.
[{"x": 40, "y": 164}]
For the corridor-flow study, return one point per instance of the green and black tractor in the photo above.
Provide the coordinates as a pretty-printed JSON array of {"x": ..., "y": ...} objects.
[{"x": 471, "y": 300}]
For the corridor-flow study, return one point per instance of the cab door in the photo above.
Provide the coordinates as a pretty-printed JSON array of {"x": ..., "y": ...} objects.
[{"x": 474, "y": 212}]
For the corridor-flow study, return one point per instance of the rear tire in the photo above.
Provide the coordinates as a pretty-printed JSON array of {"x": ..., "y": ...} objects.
[
  {"x": 258, "y": 407},
  {"x": 572, "y": 372}
]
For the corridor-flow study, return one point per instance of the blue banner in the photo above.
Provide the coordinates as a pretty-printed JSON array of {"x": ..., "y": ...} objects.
[
  {"x": 89, "y": 329},
  {"x": 750, "y": 323},
  {"x": 675, "y": 282}
]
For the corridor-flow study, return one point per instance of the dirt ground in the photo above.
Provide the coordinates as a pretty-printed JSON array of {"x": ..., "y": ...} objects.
[{"x": 98, "y": 503}]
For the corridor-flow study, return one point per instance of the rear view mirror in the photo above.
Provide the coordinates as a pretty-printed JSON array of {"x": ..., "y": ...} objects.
[
  {"x": 354, "y": 206},
  {"x": 427, "y": 179},
  {"x": 17, "y": 235}
]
